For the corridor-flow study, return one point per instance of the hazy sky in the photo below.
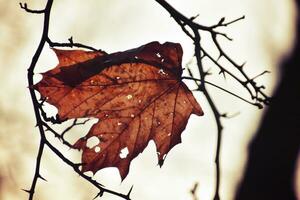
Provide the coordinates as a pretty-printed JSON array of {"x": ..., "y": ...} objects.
[{"x": 114, "y": 25}]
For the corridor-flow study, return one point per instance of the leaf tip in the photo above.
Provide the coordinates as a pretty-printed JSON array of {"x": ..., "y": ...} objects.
[{"x": 198, "y": 111}]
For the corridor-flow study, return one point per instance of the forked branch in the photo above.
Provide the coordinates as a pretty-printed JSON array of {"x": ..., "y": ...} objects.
[
  {"x": 259, "y": 98},
  {"x": 256, "y": 94},
  {"x": 40, "y": 115}
]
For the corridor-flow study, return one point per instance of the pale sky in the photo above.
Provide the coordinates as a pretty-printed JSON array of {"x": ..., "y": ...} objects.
[{"x": 115, "y": 25}]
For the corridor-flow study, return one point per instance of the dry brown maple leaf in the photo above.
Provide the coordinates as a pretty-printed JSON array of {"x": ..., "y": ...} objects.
[{"x": 137, "y": 95}]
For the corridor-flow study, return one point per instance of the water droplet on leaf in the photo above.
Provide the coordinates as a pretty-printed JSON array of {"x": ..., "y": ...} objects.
[
  {"x": 97, "y": 149},
  {"x": 129, "y": 96}
]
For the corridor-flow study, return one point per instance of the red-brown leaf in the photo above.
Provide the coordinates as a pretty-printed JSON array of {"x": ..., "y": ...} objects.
[{"x": 137, "y": 95}]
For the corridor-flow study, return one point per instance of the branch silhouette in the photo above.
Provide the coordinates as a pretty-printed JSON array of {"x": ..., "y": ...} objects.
[
  {"x": 257, "y": 96},
  {"x": 256, "y": 93},
  {"x": 40, "y": 115}
]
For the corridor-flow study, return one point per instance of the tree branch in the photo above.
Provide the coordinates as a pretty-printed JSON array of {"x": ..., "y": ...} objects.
[
  {"x": 24, "y": 6},
  {"x": 40, "y": 115},
  {"x": 70, "y": 44},
  {"x": 30, "y": 74},
  {"x": 250, "y": 85}
]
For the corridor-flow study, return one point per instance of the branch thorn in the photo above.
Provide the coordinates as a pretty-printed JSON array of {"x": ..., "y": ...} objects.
[
  {"x": 27, "y": 191},
  {"x": 42, "y": 178},
  {"x": 129, "y": 192},
  {"x": 100, "y": 194}
]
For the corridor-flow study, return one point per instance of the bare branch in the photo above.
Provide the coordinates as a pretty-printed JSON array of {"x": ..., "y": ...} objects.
[
  {"x": 25, "y": 7},
  {"x": 192, "y": 30},
  {"x": 224, "y": 90},
  {"x": 222, "y": 20},
  {"x": 33, "y": 96},
  {"x": 250, "y": 85},
  {"x": 194, "y": 190},
  {"x": 70, "y": 44},
  {"x": 60, "y": 136},
  {"x": 40, "y": 115},
  {"x": 81, "y": 174}
]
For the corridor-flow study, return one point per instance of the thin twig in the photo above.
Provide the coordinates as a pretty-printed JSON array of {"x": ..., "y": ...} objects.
[
  {"x": 76, "y": 168},
  {"x": 215, "y": 110},
  {"x": 35, "y": 103},
  {"x": 194, "y": 190},
  {"x": 60, "y": 136},
  {"x": 40, "y": 115},
  {"x": 250, "y": 85},
  {"x": 57, "y": 135},
  {"x": 222, "y": 20},
  {"x": 24, "y": 6},
  {"x": 70, "y": 44},
  {"x": 224, "y": 90}
]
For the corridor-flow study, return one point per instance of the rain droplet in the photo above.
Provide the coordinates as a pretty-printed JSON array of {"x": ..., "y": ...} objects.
[
  {"x": 140, "y": 101},
  {"x": 118, "y": 77},
  {"x": 162, "y": 60},
  {"x": 184, "y": 101},
  {"x": 129, "y": 96},
  {"x": 158, "y": 123},
  {"x": 119, "y": 123},
  {"x": 169, "y": 134},
  {"x": 97, "y": 149},
  {"x": 92, "y": 82},
  {"x": 106, "y": 115},
  {"x": 158, "y": 55},
  {"x": 132, "y": 115},
  {"x": 136, "y": 57}
]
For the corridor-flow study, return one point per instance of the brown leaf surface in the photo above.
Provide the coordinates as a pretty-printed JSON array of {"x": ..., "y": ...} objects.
[{"x": 137, "y": 95}]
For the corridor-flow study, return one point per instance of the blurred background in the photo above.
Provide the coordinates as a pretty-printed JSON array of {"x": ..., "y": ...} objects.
[{"x": 262, "y": 40}]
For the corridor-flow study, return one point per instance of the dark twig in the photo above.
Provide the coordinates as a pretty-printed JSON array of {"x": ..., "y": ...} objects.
[
  {"x": 222, "y": 89},
  {"x": 60, "y": 136},
  {"x": 54, "y": 120},
  {"x": 75, "y": 123},
  {"x": 70, "y": 44},
  {"x": 222, "y": 20},
  {"x": 76, "y": 168},
  {"x": 230, "y": 116},
  {"x": 216, "y": 112},
  {"x": 40, "y": 115},
  {"x": 194, "y": 190},
  {"x": 57, "y": 135},
  {"x": 255, "y": 91},
  {"x": 24, "y": 6},
  {"x": 250, "y": 85},
  {"x": 35, "y": 103}
]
